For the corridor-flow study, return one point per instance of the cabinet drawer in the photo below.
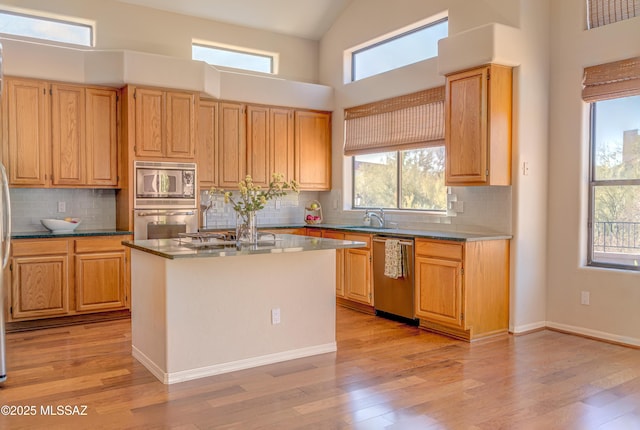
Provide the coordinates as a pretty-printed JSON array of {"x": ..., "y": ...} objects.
[
  {"x": 100, "y": 244},
  {"x": 39, "y": 247},
  {"x": 333, "y": 234},
  {"x": 451, "y": 251},
  {"x": 366, "y": 238}
]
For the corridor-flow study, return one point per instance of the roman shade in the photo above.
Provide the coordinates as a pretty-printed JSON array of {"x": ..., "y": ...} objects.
[
  {"x": 603, "y": 12},
  {"x": 611, "y": 80},
  {"x": 406, "y": 122}
]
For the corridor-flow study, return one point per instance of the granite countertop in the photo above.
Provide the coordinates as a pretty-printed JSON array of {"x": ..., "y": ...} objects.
[
  {"x": 77, "y": 233},
  {"x": 423, "y": 234},
  {"x": 283, "y": 243}
]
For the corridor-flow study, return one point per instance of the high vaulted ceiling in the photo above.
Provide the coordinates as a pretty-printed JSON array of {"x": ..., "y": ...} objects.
[{"x": 309, "y": 19}]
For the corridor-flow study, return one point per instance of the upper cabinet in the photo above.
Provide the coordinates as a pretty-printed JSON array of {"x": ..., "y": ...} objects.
[
  {"x": 61, "y": 135},
  {"x": 232, "y": 145},
  {"x": 164, "y": 124},
  {"x": 312, "y": 139},
  {"x": 270, "y": 144},
  {"x": 478, "y": 126},
  {"x": 28, "y": 125},
  {"x": 207, "y": 143}
]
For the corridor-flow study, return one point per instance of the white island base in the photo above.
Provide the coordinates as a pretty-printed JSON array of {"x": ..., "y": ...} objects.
[{"x": 197, "y": 317}]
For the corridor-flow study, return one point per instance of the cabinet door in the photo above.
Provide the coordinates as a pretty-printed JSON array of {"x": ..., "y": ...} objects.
[
  {"x": 39, "y": 286},
  {"x": 339, "y": 261},
  {"x": 231, "y": 144},
  {"x": 207, "y": 142},
  {"x": 358, "y": 275},
  {"x": 258, "y": 145},
  {"x": 149, "y": 122},
  {"x": 281, "y": 151},
  {"x": 466, "y": 126},
  {"x": 29, "y": 131},
  {"x": 313, "y": 150},
  {"x": 101, "y": 137},
  {"x": 100, "y": 281},
  {"x": 68, "y": 134},
  {"x": 180, "y": 125},
  {"x": 439, "y": 290}
]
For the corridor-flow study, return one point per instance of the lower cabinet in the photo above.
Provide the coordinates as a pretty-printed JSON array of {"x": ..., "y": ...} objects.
[
  {"x": 354, "y": 286},
  {"x": 462, "y": 288},
  {"x": 100, "y": 267},
  {"x": 67, "y": 276},
  {"x": 357, "y": 270},
  {"x": 39, "y": 279}
]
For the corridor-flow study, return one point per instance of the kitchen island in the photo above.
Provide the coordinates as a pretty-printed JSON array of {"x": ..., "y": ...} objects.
[{"x": 201, "y": 310}]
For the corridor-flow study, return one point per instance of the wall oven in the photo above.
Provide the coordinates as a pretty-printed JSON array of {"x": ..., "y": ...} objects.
[{"x": 165, "y": 199}]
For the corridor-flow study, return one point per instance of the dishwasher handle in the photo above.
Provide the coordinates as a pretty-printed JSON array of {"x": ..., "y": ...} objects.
[{"x": 402, "y": 242}]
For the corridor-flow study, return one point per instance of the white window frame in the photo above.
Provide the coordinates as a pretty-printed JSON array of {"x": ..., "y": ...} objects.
[
  {"x": 49, "y": 18},
  {"x": 273, "y": 56},
  {"x": 593, "y": 184},
  {"x": 372, "y": 43}
]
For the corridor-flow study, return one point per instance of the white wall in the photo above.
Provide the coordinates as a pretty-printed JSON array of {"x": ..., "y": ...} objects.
[
  {"x": 124, "y": 26},
  {"x": 615, "y": 295},
  {"x": 525, "y": 201}
]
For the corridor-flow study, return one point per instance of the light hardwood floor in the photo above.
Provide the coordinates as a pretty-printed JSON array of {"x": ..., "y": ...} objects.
[{"x": 385, "y": 375}]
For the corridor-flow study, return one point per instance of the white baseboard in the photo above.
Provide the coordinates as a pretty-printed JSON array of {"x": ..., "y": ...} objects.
[
  {"x": 528, "y": 327},
  {"x": 596, "y": 334},
  {"x": 217, "y": 369},
  {"x": 149, "y": 364}
]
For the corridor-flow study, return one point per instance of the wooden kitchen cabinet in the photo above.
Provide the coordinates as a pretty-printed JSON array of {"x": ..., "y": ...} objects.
[
  {"x": 39, "y": 279},
  {"x": 231, "y": 144},
  {"x": 84, "y": 136},
  {"x": 312, "y": 137},
  {"x": 68, "y": 276},
  {"x": 340, "y": 272},
  {"x": 164, "y": 124},
  {"x": 101, "y": 133},
  {"x": 358, "y": 286},
  {"x": 270, "y": 143},
  {"x": 61, "y": 135},
  {"x": 207, "y": 143},
  {"x": 462, "y": 288},
  {"x": 478, "y": 126},
  {"x": 28, "y": 125}
]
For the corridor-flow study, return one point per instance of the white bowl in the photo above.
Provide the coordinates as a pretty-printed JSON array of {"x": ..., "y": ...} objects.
[{"x": 58, "y": 226}]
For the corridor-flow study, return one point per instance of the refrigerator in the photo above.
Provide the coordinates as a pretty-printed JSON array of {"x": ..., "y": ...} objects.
[{"x": 5, "y": 237}]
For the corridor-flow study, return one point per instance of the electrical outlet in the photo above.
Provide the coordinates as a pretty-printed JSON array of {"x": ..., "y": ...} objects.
[
  {"x": 275, "y": 316},
  {"x": 62, "y": 207},
  {"x": 584, "y": 297}
]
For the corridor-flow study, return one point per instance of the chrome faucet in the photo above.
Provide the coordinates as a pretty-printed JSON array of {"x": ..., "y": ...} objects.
[{"x": 371, "y": 214}]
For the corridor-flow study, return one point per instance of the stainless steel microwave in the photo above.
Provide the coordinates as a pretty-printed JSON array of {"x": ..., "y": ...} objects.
[{"x": 162, "y": 185}]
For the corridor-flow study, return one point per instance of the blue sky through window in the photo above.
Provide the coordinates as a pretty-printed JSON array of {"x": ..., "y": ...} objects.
[{"x": 46, "y": 29}]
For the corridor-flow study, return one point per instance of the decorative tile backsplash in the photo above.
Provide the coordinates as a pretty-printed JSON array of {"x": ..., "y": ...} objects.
[
  {"x": 96, "y": 208},
  {"x": 288, "y": 209},
  {"x": 470, "y": 209}
]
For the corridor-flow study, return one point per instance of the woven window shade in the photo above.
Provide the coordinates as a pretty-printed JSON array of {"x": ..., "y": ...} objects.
[
  {"x": 603, "y": 12},
  {"x": 611, "y": 80},
  {"x": 406, "y": 122}
]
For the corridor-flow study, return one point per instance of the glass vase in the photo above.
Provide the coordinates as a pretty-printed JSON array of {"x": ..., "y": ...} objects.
[{"x": 246, "y": 228}]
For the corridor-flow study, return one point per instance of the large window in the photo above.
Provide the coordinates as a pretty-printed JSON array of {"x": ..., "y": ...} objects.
[
  {"x": 398, "y": 51},
  {"x": 615, "y": 183},
  {"x": 412, "y": 179},
  {"x": 54, "y": 30},
  {"x": 234, "y": 58}
]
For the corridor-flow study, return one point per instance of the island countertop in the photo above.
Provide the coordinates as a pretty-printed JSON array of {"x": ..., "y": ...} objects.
[{"x": 283, "y": 243}]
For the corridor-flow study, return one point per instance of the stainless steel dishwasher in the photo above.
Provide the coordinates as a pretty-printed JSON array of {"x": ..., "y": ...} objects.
[{"x": 394, "y": 298}]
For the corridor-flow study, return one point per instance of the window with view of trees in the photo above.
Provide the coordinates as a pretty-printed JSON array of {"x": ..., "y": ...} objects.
[
  {"x": 411, "y": 179},
  {"x": 615, "y": 183}
]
